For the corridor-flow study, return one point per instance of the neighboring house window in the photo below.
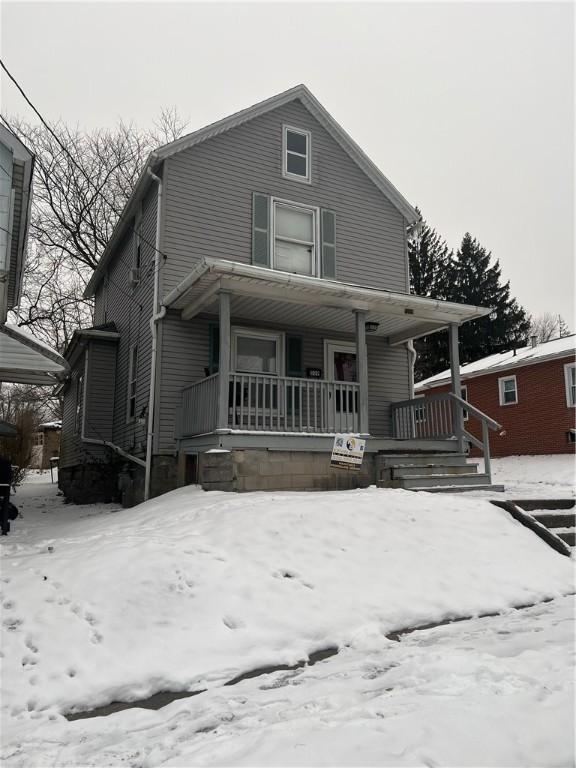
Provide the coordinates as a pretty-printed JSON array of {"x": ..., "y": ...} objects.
[
  {"x": 570, "y": 380},
  {"x": 39, "y": 439},
  {"x": 508, "y": 390},
  {"x": 132, "y": 371},
  {"x": 296, "y": 154},
  {"x": 294, "y": 238},
  {"x": 79, "y": 404},
  {"x": 256, "y": 352}
]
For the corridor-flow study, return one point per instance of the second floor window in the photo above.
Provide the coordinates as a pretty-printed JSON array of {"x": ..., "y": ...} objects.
[
  {"x": 296, "y": 154},
  {"x": 132, "y": 378},
  {"x": 294, "y": 238}
]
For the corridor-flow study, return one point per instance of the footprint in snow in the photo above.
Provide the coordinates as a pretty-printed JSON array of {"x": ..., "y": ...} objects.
[
  {"x": 29, "y": 643},
  {"x": 232, "y": 623},
  {"x": 8, "y": 605}
]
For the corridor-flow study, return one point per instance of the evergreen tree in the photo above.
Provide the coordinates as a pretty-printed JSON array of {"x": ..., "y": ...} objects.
[
  {"x": 478, "y": 281},
  {"x": 431, "y": 272}
]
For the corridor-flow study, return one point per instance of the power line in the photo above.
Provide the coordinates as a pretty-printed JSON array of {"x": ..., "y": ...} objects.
[{"x": 73, "y": 160}]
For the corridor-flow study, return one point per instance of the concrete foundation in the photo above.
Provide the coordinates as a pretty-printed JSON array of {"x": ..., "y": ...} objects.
[
  {"x": 262, "y": 470},
  {"x": 89, "y": 483}
]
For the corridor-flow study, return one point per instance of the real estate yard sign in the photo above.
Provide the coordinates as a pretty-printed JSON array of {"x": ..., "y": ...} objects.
[{"x": 348, "y": 452}]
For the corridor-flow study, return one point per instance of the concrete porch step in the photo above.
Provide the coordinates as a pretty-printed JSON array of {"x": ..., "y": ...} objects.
[
  {"x": 462, "y": 489},
  {"x": 387, "y": 460},
  {"x": 420, "y": 482},
  {"x": 400, "y": 471}
]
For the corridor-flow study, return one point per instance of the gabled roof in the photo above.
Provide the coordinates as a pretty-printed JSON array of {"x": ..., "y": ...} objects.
[
  {"x": 311, "y": 103},
  {"x": 503, "y": 361}
]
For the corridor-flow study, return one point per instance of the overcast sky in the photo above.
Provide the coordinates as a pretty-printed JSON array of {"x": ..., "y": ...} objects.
[{"x": 467, "y": 108}]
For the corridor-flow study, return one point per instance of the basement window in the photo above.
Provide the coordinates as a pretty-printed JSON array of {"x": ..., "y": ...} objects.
[{"x": 508, "y": 390}]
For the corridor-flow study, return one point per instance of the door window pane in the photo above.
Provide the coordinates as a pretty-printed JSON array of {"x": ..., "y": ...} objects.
[
  {"x": 255, "y": 355},
  {"x": 345, "y": 366}
]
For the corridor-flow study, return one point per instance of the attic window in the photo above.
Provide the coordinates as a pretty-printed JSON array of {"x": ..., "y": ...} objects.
[{"x": 296, "y": 154}]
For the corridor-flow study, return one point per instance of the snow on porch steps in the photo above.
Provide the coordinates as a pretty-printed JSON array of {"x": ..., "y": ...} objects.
[{"x": 191, "y": 589}]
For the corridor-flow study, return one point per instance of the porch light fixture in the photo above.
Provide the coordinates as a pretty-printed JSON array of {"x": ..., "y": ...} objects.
[{"x": 371, "y": 327}]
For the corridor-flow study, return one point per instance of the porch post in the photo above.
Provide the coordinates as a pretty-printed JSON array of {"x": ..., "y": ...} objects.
[
  {"x": 456, "y": 385},
  {"x": 224, "y": 361},
  {"x": 362, "y": 358}
]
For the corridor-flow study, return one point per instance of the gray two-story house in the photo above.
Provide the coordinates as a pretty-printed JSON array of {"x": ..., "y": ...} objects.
[{"x": 253, "y": 301}]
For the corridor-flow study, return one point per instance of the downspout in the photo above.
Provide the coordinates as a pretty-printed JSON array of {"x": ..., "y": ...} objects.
[
  {"x": 157, "y": 315},
  {"x": 413, "y": 355}
]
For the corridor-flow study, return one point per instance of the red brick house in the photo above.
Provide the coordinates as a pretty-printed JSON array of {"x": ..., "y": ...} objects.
[{"x": 530, "y": 391}]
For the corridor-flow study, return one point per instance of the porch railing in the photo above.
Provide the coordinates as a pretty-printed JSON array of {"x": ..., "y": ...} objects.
[
  {"x": 258, "y": 402},
  {"x": 199, "y": 412},
  {"x": 441, "y": 416}
]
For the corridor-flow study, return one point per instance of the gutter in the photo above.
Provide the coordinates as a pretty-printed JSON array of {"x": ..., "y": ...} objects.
[
  {"x": 356, "y": 293},
  {"x": 157, "y": 315}
]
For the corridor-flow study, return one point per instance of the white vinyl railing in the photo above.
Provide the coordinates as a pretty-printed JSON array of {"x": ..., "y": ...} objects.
[{"x": 259, "y": 402}]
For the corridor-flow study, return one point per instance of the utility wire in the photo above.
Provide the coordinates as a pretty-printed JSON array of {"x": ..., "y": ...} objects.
[{"x": 73, "y": 160}]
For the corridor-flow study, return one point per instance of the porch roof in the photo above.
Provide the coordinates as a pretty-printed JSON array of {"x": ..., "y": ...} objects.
[
  {"x": 25, "y": 360},
  {"x": 268, "y": 295}
]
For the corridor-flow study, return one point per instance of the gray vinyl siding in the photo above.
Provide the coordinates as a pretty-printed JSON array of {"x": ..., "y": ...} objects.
[
  {"x": 130, "y": 309},
  {"x": 185, "y": 355},
  {"x": 73, "y": 450},
  {"x": 100, "y": 386},
  {"x": 17, "y": 186},
  {"x": 100, "y": 306},
  {"x": 209, "y": 201}
]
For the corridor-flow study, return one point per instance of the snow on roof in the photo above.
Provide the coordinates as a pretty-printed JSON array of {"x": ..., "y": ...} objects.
[
  {"x": 509, "y": 359},
  {"x": 51, "y": 425}
]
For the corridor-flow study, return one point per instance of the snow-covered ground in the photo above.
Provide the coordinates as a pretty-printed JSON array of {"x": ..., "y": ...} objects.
[
  {"x": 530, "y": 477},
  {"x": 189, "y": 590}
]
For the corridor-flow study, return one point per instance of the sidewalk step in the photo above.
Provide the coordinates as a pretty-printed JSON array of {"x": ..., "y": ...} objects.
[{"x": 557, "y": 520}]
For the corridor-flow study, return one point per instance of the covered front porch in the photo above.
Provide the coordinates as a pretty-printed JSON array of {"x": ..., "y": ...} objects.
[{"x": 358, "y": 387}]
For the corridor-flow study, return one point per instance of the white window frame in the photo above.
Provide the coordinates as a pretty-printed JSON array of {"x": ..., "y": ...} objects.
[
  {"x": 285, "y": 172},
  {"x": 568, "y": 384},
  {"x": 132, "y": 382},
  {"x": 80, "y": 404},
  {"x": 501, "y": 382},
  {"x": 257, "y": 333},
  {"x": 315, "y": 228}
]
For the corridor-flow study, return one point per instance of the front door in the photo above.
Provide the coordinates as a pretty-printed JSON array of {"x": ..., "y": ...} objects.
[{"x": 342, "y": 403}]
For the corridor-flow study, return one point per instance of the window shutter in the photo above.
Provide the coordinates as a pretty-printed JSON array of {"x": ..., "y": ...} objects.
[
  {"x": 294, "y": 362},
  {"x": 328, "y": 243},
  {"x": 214, "y": 349},
  {"x": 260, "y": 230}
]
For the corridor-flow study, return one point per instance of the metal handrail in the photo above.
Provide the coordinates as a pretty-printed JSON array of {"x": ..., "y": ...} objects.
[{"x": 466, "y": 406}]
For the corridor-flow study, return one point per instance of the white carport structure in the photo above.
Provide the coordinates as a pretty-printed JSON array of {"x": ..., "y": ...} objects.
[{"x": 24, "y": 360}]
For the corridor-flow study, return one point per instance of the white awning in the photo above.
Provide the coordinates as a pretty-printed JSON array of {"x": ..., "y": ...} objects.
[
  {"x": 24, "y": 360},
  {"x": 261, "y": 294}
]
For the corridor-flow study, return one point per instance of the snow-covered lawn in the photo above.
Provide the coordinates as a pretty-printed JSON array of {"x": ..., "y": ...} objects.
[
  {"x": 529, "y": 477},
  {"x": 191, "y": 589}
]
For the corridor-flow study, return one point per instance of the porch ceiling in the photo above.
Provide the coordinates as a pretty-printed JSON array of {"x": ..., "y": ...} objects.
[{"x": 266, "y": 295}]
